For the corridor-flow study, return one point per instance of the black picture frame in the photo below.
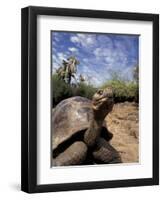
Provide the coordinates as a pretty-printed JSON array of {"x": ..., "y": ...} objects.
[{"x": 29, "y": 98}]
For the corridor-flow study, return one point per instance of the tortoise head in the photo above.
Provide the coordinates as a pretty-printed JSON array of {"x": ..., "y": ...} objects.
[{"x": 102, "y": 101}]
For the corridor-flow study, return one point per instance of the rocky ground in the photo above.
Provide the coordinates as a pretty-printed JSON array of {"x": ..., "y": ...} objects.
[{"x": 123, "y": 122}]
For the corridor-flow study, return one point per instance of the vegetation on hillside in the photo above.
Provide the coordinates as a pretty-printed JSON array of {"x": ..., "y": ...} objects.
[
  {"x": 124, "y": 90},
  {"x": 62, "y": 90}
]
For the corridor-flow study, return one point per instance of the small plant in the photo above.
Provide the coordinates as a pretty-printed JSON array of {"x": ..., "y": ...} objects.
[
  {"x": 123, "y": 91},
  {"x": 60, "y": 89},
  {"x": 84, "y": 90}
]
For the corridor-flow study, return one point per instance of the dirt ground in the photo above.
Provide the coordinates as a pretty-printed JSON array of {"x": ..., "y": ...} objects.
[{"x": 123, "y": 123}]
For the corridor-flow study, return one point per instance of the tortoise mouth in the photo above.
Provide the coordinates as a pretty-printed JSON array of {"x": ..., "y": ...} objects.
[{"x": 101, "y": 100}]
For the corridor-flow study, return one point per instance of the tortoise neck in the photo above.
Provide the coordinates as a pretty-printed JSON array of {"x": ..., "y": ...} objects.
[
  {"x": 99, "y": 116},
  {"x": 93, "y": 132}
]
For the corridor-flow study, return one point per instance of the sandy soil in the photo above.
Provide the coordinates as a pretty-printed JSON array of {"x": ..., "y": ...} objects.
[{"x": 123, "y": 122}]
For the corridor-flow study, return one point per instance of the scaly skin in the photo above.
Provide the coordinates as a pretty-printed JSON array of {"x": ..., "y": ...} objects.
[
  {"x": 105, "y": 153},
  {"x": 102, "y": 104},
  {"x": 73, "y": 155}
]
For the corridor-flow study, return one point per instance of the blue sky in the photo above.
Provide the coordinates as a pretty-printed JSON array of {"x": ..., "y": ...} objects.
[{"x": 100, "y": 55}]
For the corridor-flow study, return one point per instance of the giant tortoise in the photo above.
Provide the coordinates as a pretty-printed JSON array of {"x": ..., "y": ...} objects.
[{"x": 79, "y": 131}]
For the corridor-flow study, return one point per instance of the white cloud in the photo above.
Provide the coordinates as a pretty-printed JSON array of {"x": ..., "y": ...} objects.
[
  {"x": 75, "y": 39},
  {"x": 57, "y": 60},
  {"x": 73, "y": 49},
  {"x": 93, "y": 76},
  {"x": 85, "y": 40},
  {"x": 104, "y": 41},
  {"x": 85, "y": 60},
  {"x": 56, "y": 36},
  {"x": 61, "y": 56},
  {"x": 102, "y": 52},
  {"x": 111, "y": 57},
  {"x": 99, "y": 55}
]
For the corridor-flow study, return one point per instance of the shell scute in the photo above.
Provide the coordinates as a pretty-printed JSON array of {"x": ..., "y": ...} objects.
[{"x": 69, "y": 117}]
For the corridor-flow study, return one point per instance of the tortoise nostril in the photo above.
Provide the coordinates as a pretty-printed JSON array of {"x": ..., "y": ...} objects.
[{"x": 100, "y": 92}]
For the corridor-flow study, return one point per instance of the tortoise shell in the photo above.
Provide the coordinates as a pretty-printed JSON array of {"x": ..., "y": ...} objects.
[{"x": 70, "y": 117}]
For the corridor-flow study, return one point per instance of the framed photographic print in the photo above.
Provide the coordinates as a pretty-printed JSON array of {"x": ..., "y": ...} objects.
[{"x": 90, "y": 99}]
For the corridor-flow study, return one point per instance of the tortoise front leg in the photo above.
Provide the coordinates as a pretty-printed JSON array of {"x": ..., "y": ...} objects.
[
  {"x": 73, "y": 155},
  {"x": 105, "y": 153}
]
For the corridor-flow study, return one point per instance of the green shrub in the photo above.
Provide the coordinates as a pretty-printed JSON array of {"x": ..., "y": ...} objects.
[
  {"x": 60, "y": 89},
  {"x": 84, "y": 90},
  {"x": 124, "y": 91}
]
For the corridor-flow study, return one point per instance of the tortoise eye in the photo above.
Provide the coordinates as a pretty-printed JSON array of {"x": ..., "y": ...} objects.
[{"x": 100, "y": 92}]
